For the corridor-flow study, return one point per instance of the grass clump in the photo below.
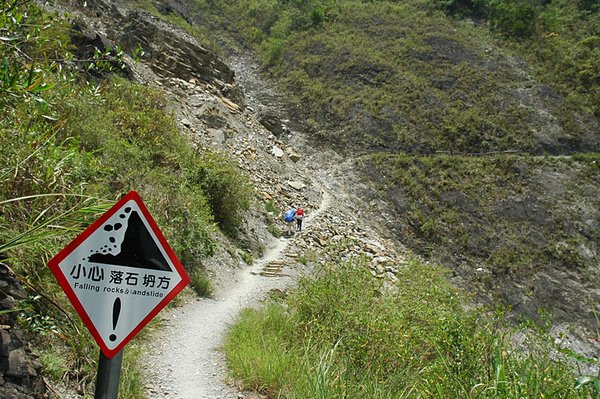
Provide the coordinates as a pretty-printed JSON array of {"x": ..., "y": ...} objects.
[
  {"x": 274, "y": 230},
  {"x": 343, "y": 335},
  {"x": 200, "y": 283},
  {"x": 247, "y": 257},
  {"x": 257, "y": 352}
]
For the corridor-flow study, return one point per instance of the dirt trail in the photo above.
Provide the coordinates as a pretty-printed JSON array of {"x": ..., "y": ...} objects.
[{"x": 185, "y": 360}]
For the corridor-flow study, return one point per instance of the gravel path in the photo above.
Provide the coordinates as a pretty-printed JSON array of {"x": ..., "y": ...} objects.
[{"x": 185, "y": 361}]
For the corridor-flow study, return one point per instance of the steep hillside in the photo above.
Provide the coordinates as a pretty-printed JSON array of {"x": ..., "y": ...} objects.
[
  {"x": 453, "y": 137},
  {"x": 433, "y": 106},
  {"x": 520, "y": 230},
  {"x": 76, "y": 135},
  {"x": 405, "y": 77}
]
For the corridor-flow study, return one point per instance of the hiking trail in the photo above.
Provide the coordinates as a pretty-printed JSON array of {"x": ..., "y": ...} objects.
[{"x": 185, "y": 360}]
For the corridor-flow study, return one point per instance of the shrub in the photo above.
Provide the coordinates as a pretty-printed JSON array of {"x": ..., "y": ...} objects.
[
  {"x": 463, "y": 7},
  {"x": 274, "y": 230},
  {"x": 227, "y": 190},
  {"x": 200, "y": 282},
  {"x": 271, "y": 50},
  {"x": 247, "y": 257},
  {"x": 515, "y": 18}
]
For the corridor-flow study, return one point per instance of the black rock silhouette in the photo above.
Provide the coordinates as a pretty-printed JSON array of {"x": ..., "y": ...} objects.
[{"x": 138, "y": 249}]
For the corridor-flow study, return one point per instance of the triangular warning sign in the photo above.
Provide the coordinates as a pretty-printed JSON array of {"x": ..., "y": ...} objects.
[{"x": 119, "y": 273}]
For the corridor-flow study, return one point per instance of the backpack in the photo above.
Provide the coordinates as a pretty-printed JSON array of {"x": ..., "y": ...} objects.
[{"x": 289, "y": 216}]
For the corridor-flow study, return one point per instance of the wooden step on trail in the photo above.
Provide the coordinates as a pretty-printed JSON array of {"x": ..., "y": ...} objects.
[{"x": 274, "y": 268}]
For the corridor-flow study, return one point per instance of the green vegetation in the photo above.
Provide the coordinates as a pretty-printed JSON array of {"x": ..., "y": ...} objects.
[
  {"x": 200, "y": 283},
  {"x": 559, "y": 36},
  {"x": 274, "y": 230},
  {"x": 391, "y": 76},
  {"x": 247, "y": 257},
  {"x": 271, "y": 207},
  {"x": 430, "y": 83},
  {"x": 343, "y": 335},
  {"x": 74, "y": 138},
  {"x": 398, "y": 77},
  {"x": 436, "y": 81},
  {"x": 307, "y": 257},
  {"x": 167, "y": 14},
  {"x": 516, "y": 215}
]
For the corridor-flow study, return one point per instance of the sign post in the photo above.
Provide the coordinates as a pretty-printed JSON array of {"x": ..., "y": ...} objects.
[
  {"x": 118, "y": 274},
  {"x": 108, "y": 376}
]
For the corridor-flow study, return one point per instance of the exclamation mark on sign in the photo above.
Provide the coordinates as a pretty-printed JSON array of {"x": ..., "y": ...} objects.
[{"x": 116, "y": 312}]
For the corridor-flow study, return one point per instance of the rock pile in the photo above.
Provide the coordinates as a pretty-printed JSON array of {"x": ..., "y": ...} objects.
[
  {"x": 284, "y": 177},
  {"x": 19, "y": 369}
]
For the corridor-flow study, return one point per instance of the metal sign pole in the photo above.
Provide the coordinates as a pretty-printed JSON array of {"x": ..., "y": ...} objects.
[{"x": 109, "y": 374}]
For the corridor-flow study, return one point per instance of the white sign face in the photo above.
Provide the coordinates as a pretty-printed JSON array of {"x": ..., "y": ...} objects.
[{"x": 119, "y": 273}]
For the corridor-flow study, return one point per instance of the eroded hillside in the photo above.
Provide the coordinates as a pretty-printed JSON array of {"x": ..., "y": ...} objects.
[{"x": 485, "y": 153}]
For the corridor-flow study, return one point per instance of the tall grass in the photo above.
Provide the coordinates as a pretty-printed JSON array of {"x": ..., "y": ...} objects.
[
  {"x": 257, "y": 351},
  {"x": 344, "y": 335}
]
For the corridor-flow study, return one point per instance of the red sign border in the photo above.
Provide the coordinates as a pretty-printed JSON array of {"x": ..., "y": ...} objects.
[{"x": 53, "y": 264}]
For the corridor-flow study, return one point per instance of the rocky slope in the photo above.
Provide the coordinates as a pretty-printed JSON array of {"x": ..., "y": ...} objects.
[
  {"x": 20, "y": 372},
  {"x": 242, "y": 117},
  {"x": 515, "y": 227}
]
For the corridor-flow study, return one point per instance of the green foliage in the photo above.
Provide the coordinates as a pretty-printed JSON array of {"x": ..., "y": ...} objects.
[
  {"x": 200, "y": 283},
  {"x": 463, "y": 7},
  {"x": 70, "y": 146},
  {"x": 20, "y": 82},
  {"x": 228, "y": 190},
  {"x": 513, "y": 17},
  {"x": 54, "y": 364},
  {"x": 131, "y": 384},
  {"x": 554, "y": 35},
  {"x": 257, "y": 352},
  {"x": 247, "y": 257},
  {"x": 274, "y": 230},
  {"x": 136, "y": 127},
  {"x": 271, "y": 207},
  {"x": 271, "y": 50},
  {"x": 307, "y": 257},
  {"x": 342, "y": 335}
]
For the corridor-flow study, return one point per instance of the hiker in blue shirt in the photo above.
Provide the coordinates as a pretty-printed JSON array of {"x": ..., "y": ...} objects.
[{"x": 289, "y": 219}]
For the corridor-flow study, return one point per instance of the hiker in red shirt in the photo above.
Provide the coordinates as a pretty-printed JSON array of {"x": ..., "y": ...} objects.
[{"x": 299, "y": 216}]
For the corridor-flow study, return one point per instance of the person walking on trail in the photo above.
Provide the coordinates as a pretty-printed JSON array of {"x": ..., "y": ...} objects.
[
  {"x": 299, "y": 216},
  {"x": 289, "y": 219}
]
